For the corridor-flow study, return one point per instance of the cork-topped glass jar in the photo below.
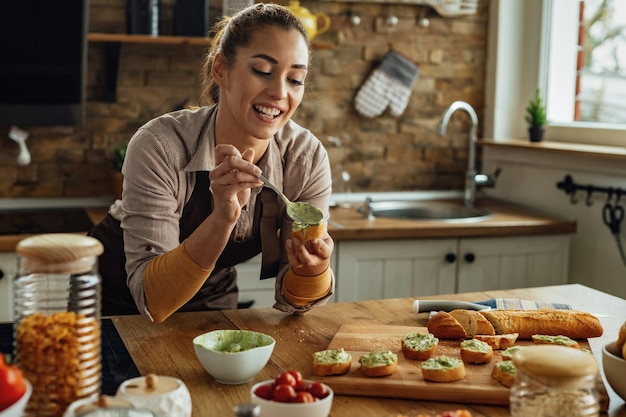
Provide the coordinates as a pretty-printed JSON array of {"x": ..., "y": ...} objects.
[
  {"x": 553, "y": 381},
  {"x": 57, "y": 320}
]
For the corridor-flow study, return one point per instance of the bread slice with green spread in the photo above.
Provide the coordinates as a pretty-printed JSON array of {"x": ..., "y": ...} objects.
[
  {"x": 507, "y": 354},
  {"x": 418, "y": 346},
  {"x": 504, "y": 373},
  {"x": 443, "y": 369},
  {"x": 542, "y": 339},
  {"x": 331, "y": 362},
  {"x": 379, "y": 363},
  {"x": 476, "y": 351}
]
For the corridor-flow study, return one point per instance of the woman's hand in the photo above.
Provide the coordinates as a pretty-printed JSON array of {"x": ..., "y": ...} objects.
[
  {"x": 312, "y": 257},
  {"x": 231, "y": 180}
]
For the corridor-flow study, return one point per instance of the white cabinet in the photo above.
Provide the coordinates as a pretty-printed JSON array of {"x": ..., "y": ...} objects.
[
  {"x": 8, "y": 271},
  {"x": 512, "y": 262},
  {"x": 394, "y": 268},
  {"x": 420, "y": 267},
  {"x": 251, "y": 287}
]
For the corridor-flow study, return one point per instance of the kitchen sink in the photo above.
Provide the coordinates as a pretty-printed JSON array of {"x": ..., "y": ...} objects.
[{"x": 450, "y": 211}]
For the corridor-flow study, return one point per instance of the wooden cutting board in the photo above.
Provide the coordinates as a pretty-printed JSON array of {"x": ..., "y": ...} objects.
[{"x": 478, "y": 387}]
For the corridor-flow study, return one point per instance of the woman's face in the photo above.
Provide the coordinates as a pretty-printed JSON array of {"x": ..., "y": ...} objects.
[{"x": 265, "y": 86}]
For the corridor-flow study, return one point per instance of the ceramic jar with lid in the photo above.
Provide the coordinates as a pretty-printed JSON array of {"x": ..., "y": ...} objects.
[
  {"x": 57, "y": 320},
  {"x": 552, "y": 381},
  {"x": 164, "y": 395}
]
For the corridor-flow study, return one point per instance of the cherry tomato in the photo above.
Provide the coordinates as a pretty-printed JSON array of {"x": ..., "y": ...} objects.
[
  {"x": 298, "y": 377},
  {"x": 12, "y": 385},
  {"x": 304, "y": 397},
  {"x": 286, "y": 378},
  {"x": 265, "y": 391},
  {"x": 284, "y": 393},
  {"x": 318, "y": 390}
]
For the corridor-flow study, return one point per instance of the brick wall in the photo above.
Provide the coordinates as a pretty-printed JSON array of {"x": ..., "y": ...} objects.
[{"x": 381, "y": 154}]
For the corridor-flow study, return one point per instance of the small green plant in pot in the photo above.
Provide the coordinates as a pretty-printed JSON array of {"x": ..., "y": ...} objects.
[
  {"x": 117, "y": 161},
  {"x": 536, "y": 117}
]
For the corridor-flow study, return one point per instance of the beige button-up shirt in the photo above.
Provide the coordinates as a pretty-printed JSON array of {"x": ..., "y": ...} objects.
[{"x": 159, "y": 176}]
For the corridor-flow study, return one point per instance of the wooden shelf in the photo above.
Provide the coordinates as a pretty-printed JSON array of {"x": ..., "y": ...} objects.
[
  {"x": 170, "y": 40},
  {"x": 126, "y": 38},
  {"x": 113, "y": 41}
]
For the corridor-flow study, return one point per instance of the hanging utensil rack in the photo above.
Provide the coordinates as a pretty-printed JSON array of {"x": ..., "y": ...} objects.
[
  {"x": 612, "y": 211},
  {"x": 570, "y": 187}
]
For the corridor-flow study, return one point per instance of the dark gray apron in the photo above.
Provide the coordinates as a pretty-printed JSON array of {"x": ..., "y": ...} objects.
[{"x": 219, "y": 291}]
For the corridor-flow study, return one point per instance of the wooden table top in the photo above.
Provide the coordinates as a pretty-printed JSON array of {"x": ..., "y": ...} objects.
[{"x": 166, "y": 348}]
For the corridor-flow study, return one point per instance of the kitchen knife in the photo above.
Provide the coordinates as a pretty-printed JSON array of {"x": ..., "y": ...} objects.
[{"x": 421, "y": 306}]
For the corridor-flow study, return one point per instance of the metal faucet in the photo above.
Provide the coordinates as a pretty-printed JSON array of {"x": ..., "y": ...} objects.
[{"x": 472, "y": 178}]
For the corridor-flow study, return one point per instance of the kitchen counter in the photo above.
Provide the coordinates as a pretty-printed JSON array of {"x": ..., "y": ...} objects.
[
  {"x": 507, "y": 220},
  {"x": 166, "y": 348},
  {"x": 347, "y": 224}
]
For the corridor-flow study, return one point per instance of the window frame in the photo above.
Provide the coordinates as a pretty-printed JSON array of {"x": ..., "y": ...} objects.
[{"x": 517, "y": 32}]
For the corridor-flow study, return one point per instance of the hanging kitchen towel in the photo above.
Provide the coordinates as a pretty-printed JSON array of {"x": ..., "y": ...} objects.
[{"x": 389, "y": 84}]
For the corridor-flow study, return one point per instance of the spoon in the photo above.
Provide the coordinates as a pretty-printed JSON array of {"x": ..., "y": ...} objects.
[{"x": 301, "y": 212}]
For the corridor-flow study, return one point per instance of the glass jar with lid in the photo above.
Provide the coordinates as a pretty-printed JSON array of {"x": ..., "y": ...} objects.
[
  {"x": 554, "y": 381},
  {"x": 57, "y": 320}
]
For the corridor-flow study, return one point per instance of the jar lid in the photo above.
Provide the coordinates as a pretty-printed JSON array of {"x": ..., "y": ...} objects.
[
  {"x": 555, "y": 361},
  {"x": 43, "y": 251},
  {"x": 150, "y": 384}
]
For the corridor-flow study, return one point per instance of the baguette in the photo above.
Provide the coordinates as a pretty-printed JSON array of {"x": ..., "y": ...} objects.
[
  {"x": 473, "y": 322},
  {"x": 444, "y": 326},
  {"x": 378, "y": 363},
  {"x": 331, "y": 362},
  {"x": 476, "y": 351},
  {"x": 498, "y": 341},
  {"x": 443, "y": 369},
  {"x": 418, "y": 346},
  {"x": 570, "y": 323},
  {"x": 504, "y": 372},
  {"x": 306, "y": 232},
  {"x": 542, "y": 339}
]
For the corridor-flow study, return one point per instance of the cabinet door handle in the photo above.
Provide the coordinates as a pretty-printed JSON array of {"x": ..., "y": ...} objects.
[
  {"x": 469, "y": 257},
  {"x": 450, "y": 258}
]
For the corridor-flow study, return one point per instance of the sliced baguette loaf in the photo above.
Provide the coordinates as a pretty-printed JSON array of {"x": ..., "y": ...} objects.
[
  {"x": 570, "y": 323},
  {"x": 473, "y": 322},
  {"x": 444, "y": 326}
]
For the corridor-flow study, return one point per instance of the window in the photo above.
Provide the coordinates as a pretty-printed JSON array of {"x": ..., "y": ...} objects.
[{"x": 535, "y": 43}]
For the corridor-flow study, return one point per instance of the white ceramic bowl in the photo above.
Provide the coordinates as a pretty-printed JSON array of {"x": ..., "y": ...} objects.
[
  {"x": 319, "y": 408},
  {"x": 19, "y": 406},
  {"x": 233, "y": 356},
  {"x": 614, "y": 369}
]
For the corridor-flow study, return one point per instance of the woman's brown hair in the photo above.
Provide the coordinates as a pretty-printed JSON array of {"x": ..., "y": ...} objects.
[{"x": 233, "y": 32}]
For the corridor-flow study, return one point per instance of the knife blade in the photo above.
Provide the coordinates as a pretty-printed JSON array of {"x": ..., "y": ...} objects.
[{"x": 421, "y": 306}]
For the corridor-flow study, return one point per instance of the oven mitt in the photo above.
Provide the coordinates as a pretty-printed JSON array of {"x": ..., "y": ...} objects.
[{"x": 389, "y": 85}]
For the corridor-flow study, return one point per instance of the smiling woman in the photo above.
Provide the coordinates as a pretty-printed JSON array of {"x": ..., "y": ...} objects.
[{"x": 193, "y": 204}]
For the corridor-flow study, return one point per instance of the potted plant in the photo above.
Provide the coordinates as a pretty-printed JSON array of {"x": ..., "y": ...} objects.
[
  {"x": 117, "y": 161},
  {"x": 536, "y": 117}
]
